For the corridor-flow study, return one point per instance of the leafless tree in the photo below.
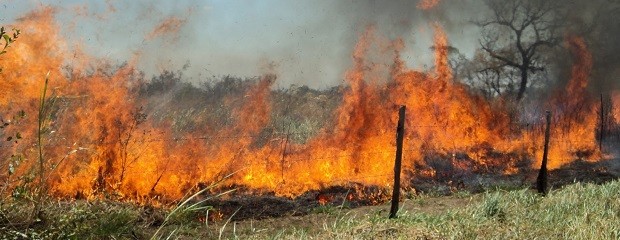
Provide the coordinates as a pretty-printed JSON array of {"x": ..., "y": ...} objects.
[
  {"x": 516, "y": 33},
  {"x": 484, "y": 75}
]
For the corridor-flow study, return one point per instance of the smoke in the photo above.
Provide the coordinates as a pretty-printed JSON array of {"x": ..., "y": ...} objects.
[
  {"x": 400, "y": 19},
  {"x": 310, "y": 42},
  {"x": 599, "y": 24},
  {"x": 319, "y": 37},
  {"x": 603, "y": 38}
]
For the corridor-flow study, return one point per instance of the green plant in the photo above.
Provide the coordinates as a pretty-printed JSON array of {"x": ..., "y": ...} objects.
[
  {"x": 15, "y": 159},
  {"x": 45, "y": 107},
  {"x": 492, "y": 206},
  {"x": 8, "y": 39},
  {"x": 179, "y": 214},
  {"x": 75, "y": 220}
]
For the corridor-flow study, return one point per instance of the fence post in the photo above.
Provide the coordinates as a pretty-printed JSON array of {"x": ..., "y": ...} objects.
[
  {"x": 541, "y": 181},
  {"x": 400, "y": 132}
]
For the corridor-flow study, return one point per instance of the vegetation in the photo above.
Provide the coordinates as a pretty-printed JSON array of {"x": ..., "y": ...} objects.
[
  {"x": 578, "y": 211},
  {"x": 187, "y": 107},
  {"x": 531, "y": 25},
  {"x": 8, "y": 39}
]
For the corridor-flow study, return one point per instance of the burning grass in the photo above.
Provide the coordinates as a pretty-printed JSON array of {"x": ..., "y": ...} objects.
[{"x": 114, "y": 136}]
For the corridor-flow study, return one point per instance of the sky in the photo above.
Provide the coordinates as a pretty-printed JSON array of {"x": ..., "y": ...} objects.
[{"x": 304, "y": 42}]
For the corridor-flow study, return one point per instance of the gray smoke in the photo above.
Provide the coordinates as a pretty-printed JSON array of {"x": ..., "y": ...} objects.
[
  {"x": 318, "y": 52},
  {"x": 308, "y": 42},
  {"x": 598, "y": 22}
]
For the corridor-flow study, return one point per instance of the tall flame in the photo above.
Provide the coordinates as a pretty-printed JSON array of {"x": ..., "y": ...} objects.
[
  {"x": 103, "y": 142},
  {"x": 576, "y": 121}
]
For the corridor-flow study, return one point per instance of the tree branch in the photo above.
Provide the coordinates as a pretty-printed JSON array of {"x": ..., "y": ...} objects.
[{"x": 501, "y": 58}]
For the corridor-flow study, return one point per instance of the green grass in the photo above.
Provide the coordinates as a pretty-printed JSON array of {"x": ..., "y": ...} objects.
[
  {"x": 578, "y": 211},
  {"x": 72, "y": 220}
]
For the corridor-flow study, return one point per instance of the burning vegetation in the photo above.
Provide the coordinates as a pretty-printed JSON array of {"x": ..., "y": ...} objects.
[{"x": 107, "y": 136}]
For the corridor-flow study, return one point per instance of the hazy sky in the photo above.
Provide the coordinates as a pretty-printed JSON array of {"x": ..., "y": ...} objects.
[{"x": 309, "y": 42}]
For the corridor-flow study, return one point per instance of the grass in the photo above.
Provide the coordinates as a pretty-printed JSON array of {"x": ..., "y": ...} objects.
[
  {"x": 74, "y": 220},
  {"x": 578, "y": 211}
]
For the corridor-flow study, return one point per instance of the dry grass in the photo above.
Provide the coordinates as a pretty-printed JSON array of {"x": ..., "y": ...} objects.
[{"x": 578, "y": 211}]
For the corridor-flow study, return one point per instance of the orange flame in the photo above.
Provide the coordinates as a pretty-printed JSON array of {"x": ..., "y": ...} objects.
[
  {"x": 427, "y": 4},
  {"x": 615, "y": 99},
  {"x": 574, "y": 131},
  {"x": 104, "y": 145},
  {"x": 167, "y": 27}
]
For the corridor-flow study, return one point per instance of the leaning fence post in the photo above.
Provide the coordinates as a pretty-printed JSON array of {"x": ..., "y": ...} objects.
[
  {"x": 400, "y": 132},
  {"x": 541, "y": 181}
]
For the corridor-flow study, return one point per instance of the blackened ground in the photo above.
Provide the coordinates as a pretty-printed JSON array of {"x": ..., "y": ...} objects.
[
  {"x": 268, "y": 205},
  {"x": 246, "y": 205}
]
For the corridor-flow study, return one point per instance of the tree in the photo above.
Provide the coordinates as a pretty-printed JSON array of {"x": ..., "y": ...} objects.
[
  {"x": 516, "y": 33},
  {"x": 485, "y": 76}
]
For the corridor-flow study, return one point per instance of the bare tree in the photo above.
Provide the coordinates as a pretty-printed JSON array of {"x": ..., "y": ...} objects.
[
  {"x": 516, "y": 33},
  {"x": 484, "y": 74}
]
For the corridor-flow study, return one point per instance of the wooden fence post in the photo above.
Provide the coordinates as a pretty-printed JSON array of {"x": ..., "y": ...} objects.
[
  {"x": 541, "y": 181},
  {"x": 400, "y": 132}
]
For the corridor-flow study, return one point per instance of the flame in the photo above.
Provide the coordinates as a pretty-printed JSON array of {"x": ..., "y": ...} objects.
[
  {"x": 574, "y": 130},
  {"x": 581, "y": 69},
  {"x": 615, "y": 99},
  {"x": 427, "y": 4},
  {"x": 167, "y": 27},
  {"x": 104, "y": 144},
  {"x": 323, "y": 199}
]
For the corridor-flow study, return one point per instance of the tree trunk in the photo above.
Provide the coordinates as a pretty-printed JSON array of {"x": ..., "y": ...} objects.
[{"x": 523, "y": 84}]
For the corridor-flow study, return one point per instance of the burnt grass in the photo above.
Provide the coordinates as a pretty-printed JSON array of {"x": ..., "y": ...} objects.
[{"x": 247, "y": 204}]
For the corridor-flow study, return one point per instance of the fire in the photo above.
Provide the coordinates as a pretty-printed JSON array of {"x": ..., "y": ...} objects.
[
  {"x": 323, "y": 199},
  {"x": 427, "y": 4},
  {"x": 103, "y": 142},
  {"x": 616, "y": 106},
  {"x": 576, "y": 122},
  {"x": 167, "y": 27}
]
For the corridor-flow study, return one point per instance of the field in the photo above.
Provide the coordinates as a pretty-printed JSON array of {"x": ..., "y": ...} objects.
[
  {"x": 586, "y": 207},
  {"x": 576, "y": 211},
  {"x": 517, "y": 137}
]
